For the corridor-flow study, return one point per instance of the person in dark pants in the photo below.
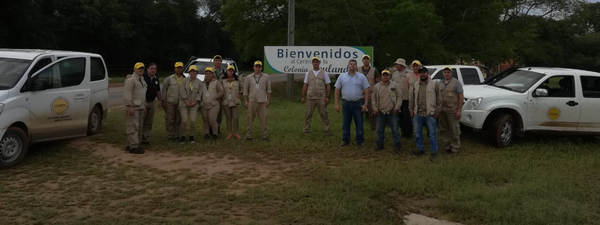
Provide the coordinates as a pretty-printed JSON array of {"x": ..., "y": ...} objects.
[
  {"x": 352, "y": 85},
  {"x": 152, "y": 95},
  {"x": 401, "y": 78},
  {"x": 425, "y": 104}
]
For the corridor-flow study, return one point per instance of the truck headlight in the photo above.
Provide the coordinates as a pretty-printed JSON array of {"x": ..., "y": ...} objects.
[{"x": 474, "y": 103}]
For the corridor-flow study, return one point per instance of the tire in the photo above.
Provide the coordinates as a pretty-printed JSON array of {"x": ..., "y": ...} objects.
[
  {"x": 502, "y": 131},
  {"x": 94, "y": 121},
  {"x": 13, "y": 147}
]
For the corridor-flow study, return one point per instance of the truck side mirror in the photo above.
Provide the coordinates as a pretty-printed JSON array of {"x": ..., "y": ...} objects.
[
  {"x": 39, "y": 84},
  {"x": 540, "y": 92}
]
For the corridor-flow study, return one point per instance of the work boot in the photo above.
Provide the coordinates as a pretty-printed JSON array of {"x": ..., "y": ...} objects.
[
  {"x": 397, "y": 149},
  {"x": 192, "y": 140},
  {"x": 182, "y": 140},
  {"x": 206, "y": 137},
  {"x": 343, "y": 144},
  {"x": 432, "y": 157},
  {"x": 379, "y": 148},
  {"x": 138, "y": 150}
]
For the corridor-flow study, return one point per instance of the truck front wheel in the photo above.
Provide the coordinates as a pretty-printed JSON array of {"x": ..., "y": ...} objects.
[
  {"x": 502, "y": 131},
  {"x": 13, "y": 147}
]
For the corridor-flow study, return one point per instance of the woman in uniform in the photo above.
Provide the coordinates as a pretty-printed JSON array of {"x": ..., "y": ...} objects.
[
  {"x": 191, "y": 95},
  {"x": 231, "y": 102},
  {"x": 212, "y": 92}
]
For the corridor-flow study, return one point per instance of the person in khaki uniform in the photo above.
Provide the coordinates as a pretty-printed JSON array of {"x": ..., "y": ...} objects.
[
  {"x": 400, "y": 77},
  {"x": 425, "y": 104},
  {"x": 231, "y": 102},
  {"x": 220, "y": 73},
  {"x": 257, "y": 96},
  {"x": 134, "y": 99},
  {"x": 387, "y": 101},
  {"x": 452, "y": 102},
  {"x": 373, "y": 77},
  {"x": 191, "y": 95},
  {"x": 317, "y": 87},
  {"x": 212, "y": 92},
  {"x": 171, "y": 95}
]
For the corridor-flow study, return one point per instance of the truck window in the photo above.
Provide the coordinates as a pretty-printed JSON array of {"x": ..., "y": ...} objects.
[
  {"x": 470, "y": 76},
  {"x": 590, "y": 86},
  {"x": 98, "y": 72},
  {"x": 66, "y": 73},
  {"x": 40, "y": 64},
  {"x": 559, "y": 86}
]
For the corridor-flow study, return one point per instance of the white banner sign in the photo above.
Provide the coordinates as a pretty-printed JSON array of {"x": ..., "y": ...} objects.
[{"x": 298, "y": 59}]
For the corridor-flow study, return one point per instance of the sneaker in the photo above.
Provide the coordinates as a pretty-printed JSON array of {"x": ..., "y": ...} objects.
[
  {"x": 238, "y": 136},
  {"x": 182, "y": 140},
  {"x": 343, "y": 144},
  {"x": 137, "y": 150},
  {"x": 432, "y": 157},
  {"x": 265, "y": 139},
  {"x": 418, "y": 152},
  {"x": 192, "y": 140},
  {"x": 229, "y": 136},
  {"x": 397, "y": 150}
]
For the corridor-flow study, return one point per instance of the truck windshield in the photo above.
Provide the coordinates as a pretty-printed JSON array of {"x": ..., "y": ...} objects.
[
  {"x": 517, "y": 80},
  {"x": 11, "y": 71}
]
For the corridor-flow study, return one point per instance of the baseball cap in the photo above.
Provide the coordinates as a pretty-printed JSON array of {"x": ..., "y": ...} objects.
[
  {"x": 178, "y": 64},
  {"x": 447, "y": 68},
  {"x": 366, "y": 56},
  {"x": 317, "y": 58},
  {"x": 231, "y": 67},
  {"x": 138, "y": 65},
  {"x": 209, "y": 69},
  {"x": 193, "y": 67},
  {"x": 417, "y": 62},
  {"x": 217, "y": 56},
  {"x": 258, "y": 63},
  {"x": 385, "y": 72},
  {"x": 423, "y": 69}
]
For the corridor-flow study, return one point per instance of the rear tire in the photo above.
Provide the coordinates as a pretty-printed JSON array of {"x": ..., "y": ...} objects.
[
  {"x": 502, "y": 131},
  {"x": 13, "y": 147},
  {"x": 94, "y": 121}
]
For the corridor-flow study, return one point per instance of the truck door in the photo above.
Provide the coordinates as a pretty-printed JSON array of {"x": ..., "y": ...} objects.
[{"x": 559, "y": 110}]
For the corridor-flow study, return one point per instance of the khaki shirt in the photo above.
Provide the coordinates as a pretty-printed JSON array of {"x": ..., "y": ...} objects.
[
  {"x": 190, "y": 90},
  {"x": 211, "y": 94},
  {"x": 232, "y": 91},
  {"x": 135, "y": 92},
  {"x": 400, "y": 79},
  {"x": 257, "y": 87},
  {"x": 171, "y": 88},
  {"x": 387, "y": 97}
]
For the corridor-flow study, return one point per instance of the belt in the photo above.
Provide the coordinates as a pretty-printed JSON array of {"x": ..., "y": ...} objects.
[{"x": 359, "y": 100}]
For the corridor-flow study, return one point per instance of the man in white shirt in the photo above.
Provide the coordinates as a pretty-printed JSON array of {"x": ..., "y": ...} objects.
[{"x": 315, "y": 93}]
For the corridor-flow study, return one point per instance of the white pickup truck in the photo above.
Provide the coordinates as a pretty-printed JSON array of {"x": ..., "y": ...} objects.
[{"x": 521, "y": 100}]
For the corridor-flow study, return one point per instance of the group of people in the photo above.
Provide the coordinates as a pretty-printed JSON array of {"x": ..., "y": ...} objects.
[
  {"x": 406, "y": 99},
  {"x": 182, "y": 97}
]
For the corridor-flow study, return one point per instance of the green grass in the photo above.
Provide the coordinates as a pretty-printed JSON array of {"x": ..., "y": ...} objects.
[{"x": 537, "y": 180}]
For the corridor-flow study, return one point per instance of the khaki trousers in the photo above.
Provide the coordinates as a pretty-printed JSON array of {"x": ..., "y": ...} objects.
[
  {"x": 148, "y": 121},
  {"x": 232, "y": 114},
  {"x": 319, "y": 104},
  {"x": 449, "y": 129},
  {"x": 173, "y": 120},
  {"x": 133, "y": 127},
  {"x": 209, "y": 116},
  {"x": 257, "y": 109},
  {"x": 188, "y": 116}
]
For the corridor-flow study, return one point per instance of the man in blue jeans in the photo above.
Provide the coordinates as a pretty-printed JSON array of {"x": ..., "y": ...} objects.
[
  {"x": 425, "y": 105},
  {"x": 352, "y": 85},
  {"x": 386, "y": 101}
]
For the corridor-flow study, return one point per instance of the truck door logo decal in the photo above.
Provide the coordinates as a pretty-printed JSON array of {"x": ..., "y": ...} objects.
[
  {"x": 59, "y": 106},
  {"x": 553, "y": 113}
]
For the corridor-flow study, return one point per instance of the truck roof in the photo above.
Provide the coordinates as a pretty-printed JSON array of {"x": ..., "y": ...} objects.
[
  {"x": 552, "y": 70},
  {"x": 30, "y": 54}
]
